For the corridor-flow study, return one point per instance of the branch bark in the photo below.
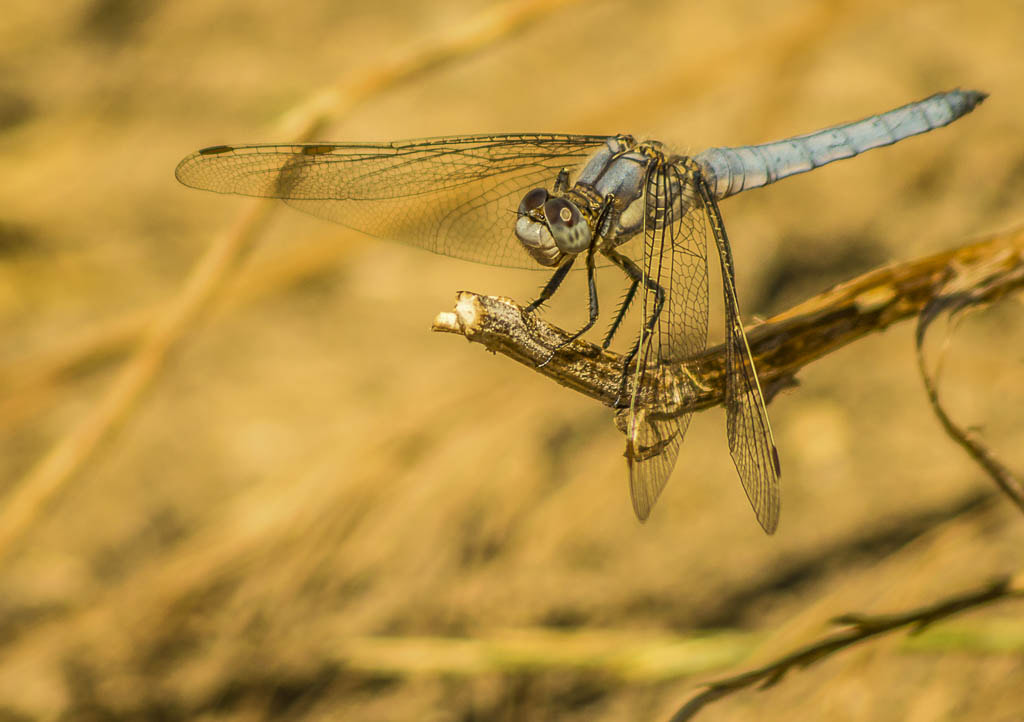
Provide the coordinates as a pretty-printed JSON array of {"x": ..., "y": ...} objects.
[{"x": 781, "y": 346}]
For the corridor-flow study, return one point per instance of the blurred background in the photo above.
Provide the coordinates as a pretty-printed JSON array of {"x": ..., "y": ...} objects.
[{"x": 312, "y": 507}]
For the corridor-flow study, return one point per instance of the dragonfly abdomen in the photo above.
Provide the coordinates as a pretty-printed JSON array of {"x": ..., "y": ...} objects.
[{"x": 732, "y": 170}]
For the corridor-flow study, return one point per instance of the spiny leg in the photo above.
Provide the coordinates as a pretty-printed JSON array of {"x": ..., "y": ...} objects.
[
  {"x": 620, "y": 314},
  {"x": 552, "y": 285},
  {"x": 637, "y": 277},
  {"x": 592, "y": 297}
]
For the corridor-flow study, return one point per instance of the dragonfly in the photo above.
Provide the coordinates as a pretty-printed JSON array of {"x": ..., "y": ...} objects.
[{"x": 543, "y": 200}]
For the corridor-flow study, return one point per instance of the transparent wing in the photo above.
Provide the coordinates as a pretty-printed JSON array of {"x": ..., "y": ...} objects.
[
  {"x": 456, "y": 196},
  {"x": 750, "y": 435},
  {"x": 675, "y": 266},
  {"x": 652, "y": 447}
]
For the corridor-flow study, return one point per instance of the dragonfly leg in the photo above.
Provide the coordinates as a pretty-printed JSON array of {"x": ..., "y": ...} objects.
[
  {"x": 620, "y": 314},
  {"x": 637, "y": 277},
  {"x": 592, "y": 297},
  {"x": 552, "y": 285}
]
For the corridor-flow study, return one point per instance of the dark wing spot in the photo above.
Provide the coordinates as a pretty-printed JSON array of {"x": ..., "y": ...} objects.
[
  {"x": 216, "y": 149},
  {"x": 317, "y": 149}
]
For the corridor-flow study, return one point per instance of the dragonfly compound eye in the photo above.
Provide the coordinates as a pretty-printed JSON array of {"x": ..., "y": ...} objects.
[
  {"x": 533, "y": 201},
  {"x": 568, "y": 226}
]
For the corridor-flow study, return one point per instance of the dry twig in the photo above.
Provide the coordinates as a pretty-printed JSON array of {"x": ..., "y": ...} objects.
[
  {"x": 781, "y": 346},
  {"x": 860, "y": 627},
  {"x": 972, "y": 288}
]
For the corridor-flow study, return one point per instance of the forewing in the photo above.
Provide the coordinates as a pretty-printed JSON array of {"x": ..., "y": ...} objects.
[
  {"x": 750, "y": 434},
  {"x": 457, "y": 196},
  {"x": 675, "y": 260}
]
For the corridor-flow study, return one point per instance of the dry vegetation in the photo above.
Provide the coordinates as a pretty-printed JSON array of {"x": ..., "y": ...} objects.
[{"x": 239, "y": 481}]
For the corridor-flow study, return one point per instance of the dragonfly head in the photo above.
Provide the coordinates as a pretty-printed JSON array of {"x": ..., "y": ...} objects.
[{"x": 551, "y": 227}]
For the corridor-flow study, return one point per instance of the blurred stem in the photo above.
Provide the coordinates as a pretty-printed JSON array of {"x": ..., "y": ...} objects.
[
  {"x": 651, "y": 657},
  {"x": 860, "y": 628}
]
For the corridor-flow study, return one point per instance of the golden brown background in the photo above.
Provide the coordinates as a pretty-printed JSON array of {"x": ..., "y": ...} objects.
[{"x": 318, "y": 509}]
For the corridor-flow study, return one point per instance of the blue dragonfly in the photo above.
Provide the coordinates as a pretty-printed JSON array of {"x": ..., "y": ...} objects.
[{"x": 529, "y": 200}]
